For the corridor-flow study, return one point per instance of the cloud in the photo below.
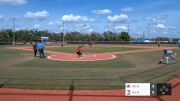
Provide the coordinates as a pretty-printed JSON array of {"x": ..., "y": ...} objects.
[
  {"x": 76, "y": 18},
  {"x": 121, "y": 27},
  {"x": 59, "y": 22},
  {"x": 171, "y": 27},
  {"x": 39, "y": 15},
  {"x": 128, "y": 9},
  {"x": 50, "y": 24},
  {"x": 1, "y": 18},
  {"x": 37, "y": 26},
  {"x": 133, "y": 28},
  {"x": 148, "y": 18},
  {"x": 164, "y": 32},
  {"x": 20, "y": 28},
  {"x": 156, "y": 20},
  {"x": 102, "y": 12},
  {"x": 161, "y": 26},
  {"x": 13, "y": 2},
  {"x": 90, "y": 30},
  {"x": 118, "y": 18},
  {"x": 82, "y": 26}
]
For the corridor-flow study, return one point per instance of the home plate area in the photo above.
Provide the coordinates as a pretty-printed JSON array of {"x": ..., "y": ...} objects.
[{"x": 73, "y": 57}]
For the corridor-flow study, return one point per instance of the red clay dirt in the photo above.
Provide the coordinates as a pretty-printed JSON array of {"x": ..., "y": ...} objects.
[
  {"x": 83, "y": 95},
  {"x": 60, "y": 56}
]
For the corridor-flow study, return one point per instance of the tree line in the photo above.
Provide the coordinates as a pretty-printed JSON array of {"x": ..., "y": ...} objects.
[{"x": 6, "y": 35}]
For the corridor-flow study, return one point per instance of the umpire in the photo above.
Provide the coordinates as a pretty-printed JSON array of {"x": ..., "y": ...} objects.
[
  {"x": 40, "y": 47},
  {"x": 35, "y": 48}
]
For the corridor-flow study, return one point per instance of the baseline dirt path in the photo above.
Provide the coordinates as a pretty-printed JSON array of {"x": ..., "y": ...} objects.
[{"x": 60, "y": 56}]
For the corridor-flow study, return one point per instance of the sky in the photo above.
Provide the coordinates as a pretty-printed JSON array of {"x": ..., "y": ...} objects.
[{"x": 155, "y": 18}]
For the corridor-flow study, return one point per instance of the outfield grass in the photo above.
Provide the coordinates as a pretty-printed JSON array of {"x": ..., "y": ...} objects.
[{"x": 18, "y": 69}]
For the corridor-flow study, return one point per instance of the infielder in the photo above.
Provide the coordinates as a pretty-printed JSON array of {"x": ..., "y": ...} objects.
[{"x": 168, "y": 53}]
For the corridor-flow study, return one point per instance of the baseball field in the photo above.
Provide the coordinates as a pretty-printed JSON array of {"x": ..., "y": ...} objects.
[{"x": 101, "y": 67}]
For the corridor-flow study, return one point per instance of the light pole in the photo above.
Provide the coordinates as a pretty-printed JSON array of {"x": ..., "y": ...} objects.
[
  {"x": 149, "y": 30},
  {"x": 128, "y": 27},
  {"x": 13, "y": 30},
  {"x": 63, "y": 31},
  {"x": 108, "y": 27}
]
